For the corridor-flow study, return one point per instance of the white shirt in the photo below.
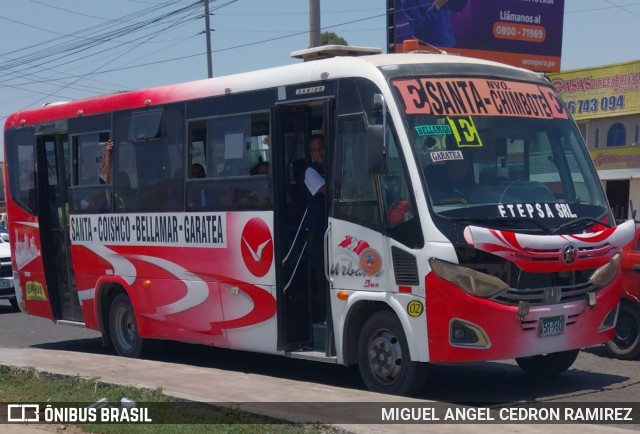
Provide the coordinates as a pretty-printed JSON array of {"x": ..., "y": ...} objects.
[{"x": 313, "y": 180}]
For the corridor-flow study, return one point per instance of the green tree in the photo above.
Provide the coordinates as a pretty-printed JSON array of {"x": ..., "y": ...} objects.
[{"x": 330, "y": 38}]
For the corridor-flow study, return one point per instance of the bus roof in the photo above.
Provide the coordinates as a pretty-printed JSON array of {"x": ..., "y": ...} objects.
[{"x": 367, "y": 66}]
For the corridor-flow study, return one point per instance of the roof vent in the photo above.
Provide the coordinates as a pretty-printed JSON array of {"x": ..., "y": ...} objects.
[{"x": 327, "y": 51}]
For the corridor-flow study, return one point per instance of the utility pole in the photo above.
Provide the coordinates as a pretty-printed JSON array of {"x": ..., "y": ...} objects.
[
  {"x": 314, "y": 23},
  {"x": 207, "y": 29}
]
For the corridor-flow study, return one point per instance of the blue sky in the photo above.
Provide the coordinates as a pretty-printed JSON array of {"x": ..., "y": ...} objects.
[{"x": 41, "y": 39}]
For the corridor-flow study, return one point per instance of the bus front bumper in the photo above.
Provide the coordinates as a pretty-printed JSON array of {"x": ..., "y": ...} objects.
[{"x": 464, "y": 328}]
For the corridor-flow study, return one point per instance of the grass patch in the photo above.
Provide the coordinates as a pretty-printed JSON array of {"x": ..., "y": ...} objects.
[{"x": 31, "y": 386}]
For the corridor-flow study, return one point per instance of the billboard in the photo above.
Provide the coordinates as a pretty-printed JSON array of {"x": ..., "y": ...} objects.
[
  {"x": 623, "y": 157},
  {"x": 599, "y": 92},
  {"x": 523, "y": 33}
]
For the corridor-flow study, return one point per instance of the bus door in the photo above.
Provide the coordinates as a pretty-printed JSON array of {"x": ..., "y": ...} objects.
[
  {"x": 372, "y": 224},
  {"x": 293, "y": 126},
  {"x": 53, "y": 184},
  {"x": 357, "y": 250}
]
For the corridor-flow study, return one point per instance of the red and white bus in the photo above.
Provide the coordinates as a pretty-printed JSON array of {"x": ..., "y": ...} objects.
[{"x": 523, "y": 262}]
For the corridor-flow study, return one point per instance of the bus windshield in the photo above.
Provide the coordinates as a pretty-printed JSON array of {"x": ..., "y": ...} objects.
[{"x": 500, "y": 159}]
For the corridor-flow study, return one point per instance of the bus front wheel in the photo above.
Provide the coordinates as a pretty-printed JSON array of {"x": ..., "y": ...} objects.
[
  {"x": 625, "y": 344},
  {"x": 383, "y": 357},
  {"x": 123, "y": 328},
  {"x": 548, "y": 364}
]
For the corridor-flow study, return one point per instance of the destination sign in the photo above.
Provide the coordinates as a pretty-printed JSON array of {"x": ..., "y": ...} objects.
[
  {"x": 479, "y": 97},
  {"x": 181, "y": 229}
]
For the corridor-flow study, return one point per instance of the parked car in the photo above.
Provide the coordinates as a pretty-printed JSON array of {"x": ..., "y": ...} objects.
[
  {"x": 626, "y": 341},
  {"x": 7, "y": 291}
]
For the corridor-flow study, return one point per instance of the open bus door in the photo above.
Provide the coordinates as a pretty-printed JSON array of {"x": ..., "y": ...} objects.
[
  {"x": 53, "y": 184},
  {"x": 293, "y": 126}
]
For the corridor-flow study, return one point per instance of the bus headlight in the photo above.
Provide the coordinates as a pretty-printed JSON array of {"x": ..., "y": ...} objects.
[
  {"x": 471, "y": 281},
  {"x": 605, "y": 274}
]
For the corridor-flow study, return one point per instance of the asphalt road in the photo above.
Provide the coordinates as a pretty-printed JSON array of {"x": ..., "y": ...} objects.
[{"x": 595, "y": 377}]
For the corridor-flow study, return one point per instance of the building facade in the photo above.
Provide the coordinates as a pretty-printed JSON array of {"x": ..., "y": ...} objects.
[{"x": 605, "y": 102}]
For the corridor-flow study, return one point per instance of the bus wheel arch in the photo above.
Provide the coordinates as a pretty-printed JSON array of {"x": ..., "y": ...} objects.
[
  {"x": 118, "y": 321},
  {"x": 124, "y": 328},
  {"x": 625, "y": 344},
  {"x": 357, "y": 316},
  {"x": 104, "y": 297},
  {"x": 377, "y": 342}
]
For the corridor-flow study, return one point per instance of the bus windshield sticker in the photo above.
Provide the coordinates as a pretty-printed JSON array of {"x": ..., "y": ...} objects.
[
  {"x": 479, "y": 97},
  {"x": 433, "y": 130},
  {"x": 446, "y": 156},
  {"x": 465, "y": 132}
]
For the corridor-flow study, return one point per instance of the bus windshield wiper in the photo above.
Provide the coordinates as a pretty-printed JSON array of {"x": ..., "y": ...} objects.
[
  {"x": 537, "y": 223},
  {"x": 580, "y": 222}
]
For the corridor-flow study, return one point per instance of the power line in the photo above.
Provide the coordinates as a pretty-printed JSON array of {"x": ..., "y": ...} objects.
[
  {"x": 622, "y": 7},
  {"x": 104, "y": 71},
  {"x": 49, "y": 55},
  {"x": 612, "y": 6},
  {"x": 16, "y": 69},
  {"x": 99, "y": 67},
  {"x": 61, "y": 52}
]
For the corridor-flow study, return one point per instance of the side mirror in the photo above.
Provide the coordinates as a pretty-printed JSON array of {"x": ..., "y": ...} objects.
[{"x": 4, "y": 237}]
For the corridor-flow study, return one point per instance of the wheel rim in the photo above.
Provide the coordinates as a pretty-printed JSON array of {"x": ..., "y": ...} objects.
[
  {"x": 126, "y": 329},
  {"x": 626, "y": 332},
  {"x": 385, "y": 357}
]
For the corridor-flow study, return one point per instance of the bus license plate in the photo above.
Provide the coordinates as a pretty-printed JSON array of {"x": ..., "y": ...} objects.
[{"x": 551, "y": 325}]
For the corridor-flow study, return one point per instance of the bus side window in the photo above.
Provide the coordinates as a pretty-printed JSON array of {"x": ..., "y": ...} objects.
[
  {"x": 150, "y": 150},
  {"x": 91, "y": 173},
  {"x": 197, "y": 149},
  {"x": 21, "y": 159},
  {"x": 229, "y": 151},
  {"x": 92, "y": 164},
  {"x": 401, "y": 219}
]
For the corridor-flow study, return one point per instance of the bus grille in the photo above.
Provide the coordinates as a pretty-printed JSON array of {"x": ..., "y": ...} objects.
[
  {"x": 545, "y": 296},
  {"x": 552, "y": 255}
]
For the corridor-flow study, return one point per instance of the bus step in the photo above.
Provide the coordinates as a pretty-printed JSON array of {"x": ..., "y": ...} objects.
[
  {"x": 316, "y": 356},
  {"x": 320, "y": 336}
]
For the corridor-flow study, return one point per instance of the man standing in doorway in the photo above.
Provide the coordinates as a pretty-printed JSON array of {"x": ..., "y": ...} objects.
[{"x": 315, "y": 226}]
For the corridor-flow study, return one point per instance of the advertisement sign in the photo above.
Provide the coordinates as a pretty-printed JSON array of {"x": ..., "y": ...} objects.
[
  {"x": 600, "y": 92},
  {"x": 624, "y": 157},
  {"x": 523, "y": 33}
]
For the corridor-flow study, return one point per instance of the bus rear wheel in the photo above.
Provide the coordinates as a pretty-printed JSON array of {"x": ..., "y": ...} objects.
[
  {"x": 123, "y": 328},
  {"x": 625, "y": 344},
  {"x": 548, "y": 364},
  {"x": 383, "y": 357}
]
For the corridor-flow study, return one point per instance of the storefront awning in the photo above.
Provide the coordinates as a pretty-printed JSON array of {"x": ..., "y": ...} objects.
[{"x": 608, "y": 175}]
